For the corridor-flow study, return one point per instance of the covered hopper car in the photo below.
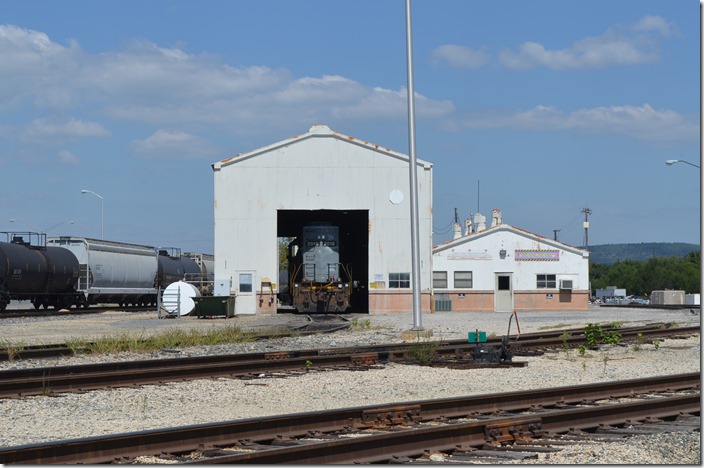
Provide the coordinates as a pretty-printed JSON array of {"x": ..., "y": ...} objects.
[{"x": 67, "y": 271}]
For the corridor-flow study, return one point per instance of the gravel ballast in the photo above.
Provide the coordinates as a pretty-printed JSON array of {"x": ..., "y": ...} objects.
[{"x": 40, "y": 419}]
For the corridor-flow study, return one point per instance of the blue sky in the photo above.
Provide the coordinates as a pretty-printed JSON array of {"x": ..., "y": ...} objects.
[{"x": 539, "y": 108}]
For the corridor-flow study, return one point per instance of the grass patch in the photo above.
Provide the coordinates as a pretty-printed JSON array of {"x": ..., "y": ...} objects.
[
  {"x": 172, "y": 338},
  {"x": 424, "y": 352},
  {"x": 557, "y": 325},
  {"x": 12, "y": 349}
]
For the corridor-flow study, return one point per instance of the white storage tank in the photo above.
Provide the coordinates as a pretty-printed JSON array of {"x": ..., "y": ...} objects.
[{"x": 692, "y": 299}]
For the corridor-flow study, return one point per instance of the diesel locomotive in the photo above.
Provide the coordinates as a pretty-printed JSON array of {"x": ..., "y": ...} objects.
[
  {"x": 78, "y": 271},
  {"x": 318, "y": 281}
]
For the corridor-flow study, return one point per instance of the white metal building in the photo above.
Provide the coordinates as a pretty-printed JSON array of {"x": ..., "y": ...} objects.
[
  {"x": 503, "y": 268},
  {"x": 272, "y": 192}
]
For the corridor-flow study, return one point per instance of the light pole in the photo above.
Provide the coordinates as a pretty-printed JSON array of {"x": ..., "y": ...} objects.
[
  {"x": 56, "y": 225},
  {"x": 670, "y": 162},
  {"x": 102, "y": 211}
]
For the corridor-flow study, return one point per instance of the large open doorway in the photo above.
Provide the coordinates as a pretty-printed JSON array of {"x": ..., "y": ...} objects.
[{"x": 353, "y": 228}]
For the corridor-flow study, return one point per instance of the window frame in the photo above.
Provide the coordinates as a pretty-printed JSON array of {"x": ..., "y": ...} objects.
[
  {"x": 399, "y": 280},
  {"x": 443, "y": 281},
  {"x": 459, "y": 283},
  {"x": 548, "y": 281}
]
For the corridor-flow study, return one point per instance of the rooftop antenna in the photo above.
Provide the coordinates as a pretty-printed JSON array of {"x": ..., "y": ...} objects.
[
  {"x": 477, "y": 195},
  {"x": 554, "y": 232}
]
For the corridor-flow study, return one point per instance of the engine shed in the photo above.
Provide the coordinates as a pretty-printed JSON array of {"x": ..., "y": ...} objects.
[{"x": 264, "y": 198}]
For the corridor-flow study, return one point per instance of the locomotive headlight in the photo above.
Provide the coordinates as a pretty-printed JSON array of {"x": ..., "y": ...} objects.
[
  {"x": 347, "y": 285},
  {"x": 295, "y": 285},
  {"x": 339, "y": 285}
]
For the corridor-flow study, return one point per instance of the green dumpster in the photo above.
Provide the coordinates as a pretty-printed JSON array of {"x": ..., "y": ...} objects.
[{"x": 214, "y": 306}]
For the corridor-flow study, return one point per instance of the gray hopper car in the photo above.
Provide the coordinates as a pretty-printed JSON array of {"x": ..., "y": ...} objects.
[{"x": 113, "y": 272}]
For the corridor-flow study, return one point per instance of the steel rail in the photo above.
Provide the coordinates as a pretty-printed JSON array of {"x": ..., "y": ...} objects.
[
  {"x": 84, "y": 377},
  {"x": 656, "y": 329},
  {"x": 377, "y": 448},
  {"x": 104, "y": 449}
]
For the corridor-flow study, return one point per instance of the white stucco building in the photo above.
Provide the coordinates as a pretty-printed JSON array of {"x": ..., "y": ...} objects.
[
  {"x": 503, "y": 268},
  {"x": 322, "y": 175}
]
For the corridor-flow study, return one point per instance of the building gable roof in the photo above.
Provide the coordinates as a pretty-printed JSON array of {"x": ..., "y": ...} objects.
[
  {"x": 508, "y": 228},
  {"x": 316, "y": 131}
]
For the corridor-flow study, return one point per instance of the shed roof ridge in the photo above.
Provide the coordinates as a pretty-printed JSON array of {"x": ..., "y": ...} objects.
[{"x": 315, "y": 131}]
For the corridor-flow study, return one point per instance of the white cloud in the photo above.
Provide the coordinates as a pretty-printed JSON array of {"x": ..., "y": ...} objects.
[
  {"x": 458, "y": 56},
  {"x": 630, "y": 45},
  {"x": 621, "y": 45},
  {"x": 639, "y": 122},
  {"x": 57, "y": 128},
  {"x": 173, "y": 145},
  {"x": 35, "y": 67},
  {"x": 654, "y": 23},
  {"x": 67, "y": 157},
  {"x": 168, "y": 87}
]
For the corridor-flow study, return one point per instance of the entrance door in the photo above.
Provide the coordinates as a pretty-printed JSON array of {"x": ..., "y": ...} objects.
[
  {"x": 503, "y": 293},
  {"x": 245, "y": 302}
]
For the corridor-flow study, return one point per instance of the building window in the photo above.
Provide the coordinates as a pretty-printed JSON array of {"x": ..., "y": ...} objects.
[
  {"x": 440, "y": 280},
  {"x": 547, "y": 282},
  {"x": 399, "y": 280},
  {"x": 246, "y": 282},
  {"x": 463, "y": 280}
]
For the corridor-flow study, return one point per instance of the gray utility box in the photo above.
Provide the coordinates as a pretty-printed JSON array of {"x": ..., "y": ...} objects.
[{"x": 215, "y": 306}]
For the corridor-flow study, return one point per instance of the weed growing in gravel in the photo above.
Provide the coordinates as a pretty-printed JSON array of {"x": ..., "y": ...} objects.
[
  {"x": 605, "y": 359},
  {"x": 639, "y": 342},
  {"x": 596, "y": 335},
  {"x": 424, "y": 351},
  {"x": 12, "y": 349},
  {"x": 558, "y": 325},
  {"x": 656, "y": 343},
  {"x": 169, "y": 339},
  {"x": 565, "y": 343}
]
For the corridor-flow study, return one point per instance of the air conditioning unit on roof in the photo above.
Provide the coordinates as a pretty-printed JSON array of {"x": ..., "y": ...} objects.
[{"x": 566, "y": 284}]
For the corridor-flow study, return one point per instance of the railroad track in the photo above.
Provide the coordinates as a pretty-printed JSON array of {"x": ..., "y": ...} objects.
[
  {"x": 463, "y": 428},
  {"x": 38, "y": 313},
  {"x": 79, "y": 378},
  {"x": 551, "y": 339}
]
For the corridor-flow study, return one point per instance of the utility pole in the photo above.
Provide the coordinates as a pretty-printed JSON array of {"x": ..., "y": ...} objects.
[{"x": 586, "y": 212}]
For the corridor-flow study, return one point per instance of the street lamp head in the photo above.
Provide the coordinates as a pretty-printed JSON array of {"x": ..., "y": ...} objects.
[
  {"x": 670, "y": 162},
  {"x": 84, "y": 191}
]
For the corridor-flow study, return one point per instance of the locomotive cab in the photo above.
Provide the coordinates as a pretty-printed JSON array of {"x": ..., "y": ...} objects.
[{"x": 318, "y": 282}]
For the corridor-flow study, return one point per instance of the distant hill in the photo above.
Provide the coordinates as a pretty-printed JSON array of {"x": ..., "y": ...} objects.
[{"x": 612, "y": 253}]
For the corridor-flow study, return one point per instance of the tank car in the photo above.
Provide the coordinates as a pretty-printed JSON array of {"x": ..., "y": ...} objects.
[
  {"x": 44, "y": 275},
  {"x": 318, "y": 282},
  {"x": 205, "y": 278},
  {"x": 113, "y": 272}
]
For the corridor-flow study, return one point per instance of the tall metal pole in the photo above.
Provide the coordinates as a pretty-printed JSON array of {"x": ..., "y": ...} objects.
[
  {"x": 586, "y": 212},
  {"x": 415, "y": 244}
]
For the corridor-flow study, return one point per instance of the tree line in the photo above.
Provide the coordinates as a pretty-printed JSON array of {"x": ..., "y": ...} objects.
[{"x": 640, "y": 278}]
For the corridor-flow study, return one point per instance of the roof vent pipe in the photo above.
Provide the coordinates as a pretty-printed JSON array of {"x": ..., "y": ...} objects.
[
  {"x": 457, "y": 231},
  {"x": 496, "y": 217},
  {"x": 468, "y": 227},
  {"x": 480, "y": 222}
]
